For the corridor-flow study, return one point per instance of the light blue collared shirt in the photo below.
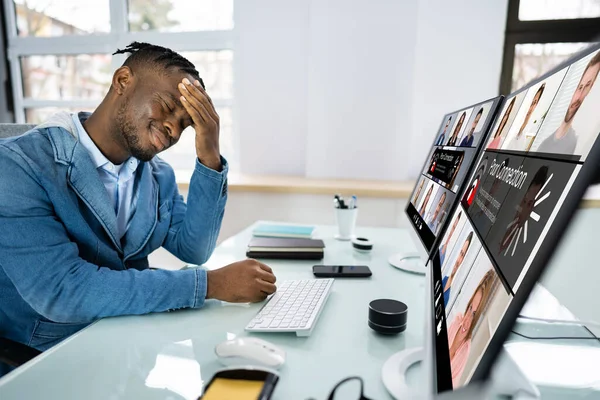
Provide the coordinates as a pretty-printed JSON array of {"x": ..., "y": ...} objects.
[{"x": 117, "y": 179}]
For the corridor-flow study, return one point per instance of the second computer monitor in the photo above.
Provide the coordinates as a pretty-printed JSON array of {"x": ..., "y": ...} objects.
[
  {"x": 542, "y": 154},
  {"x": 455, "y": 148}
]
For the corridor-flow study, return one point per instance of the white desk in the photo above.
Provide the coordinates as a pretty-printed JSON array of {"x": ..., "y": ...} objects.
[{"x": 171, "y": 355}]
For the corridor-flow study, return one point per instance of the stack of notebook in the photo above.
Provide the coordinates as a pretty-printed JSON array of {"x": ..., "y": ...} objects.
[
  {"x": 286, "y": 248},
  {"x": 285, "y": 231}
]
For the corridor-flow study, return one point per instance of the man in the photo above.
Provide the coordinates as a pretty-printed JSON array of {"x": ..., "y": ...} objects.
[
  {"x": 564, "y": 140},
  {"x": 84, "y": 200},
  {"x": 523, "y": 211},
  {"x": 520, "y": 141},
  {"x": 468, "y": 140},
  {"x": 434, "y": 217},
  {"x": 447, "y": 280},
  {"x": 440, "y": 141}
]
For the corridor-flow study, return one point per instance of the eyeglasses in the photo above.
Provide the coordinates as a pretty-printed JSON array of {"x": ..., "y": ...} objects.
[{"x": 340, "y": 383}]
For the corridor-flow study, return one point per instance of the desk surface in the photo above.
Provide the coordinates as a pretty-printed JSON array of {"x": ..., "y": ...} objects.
[{"x": 171, "y": 355}]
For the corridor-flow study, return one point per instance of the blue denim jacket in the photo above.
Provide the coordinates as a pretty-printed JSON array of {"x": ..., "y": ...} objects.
[{"x": 61, "y": 263}]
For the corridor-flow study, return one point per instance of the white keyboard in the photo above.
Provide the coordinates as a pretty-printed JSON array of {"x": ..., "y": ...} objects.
[{"x": 295, "y": 307}]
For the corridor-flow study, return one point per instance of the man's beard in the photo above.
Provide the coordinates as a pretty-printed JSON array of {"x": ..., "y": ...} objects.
[
  {"x": 128, "y": 131},
  {"x": 571, "y": 114}
]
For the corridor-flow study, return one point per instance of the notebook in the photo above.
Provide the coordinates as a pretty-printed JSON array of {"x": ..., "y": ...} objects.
[
  {"x": 279, "y": 230},
  {"x": 286, "y": 248}
]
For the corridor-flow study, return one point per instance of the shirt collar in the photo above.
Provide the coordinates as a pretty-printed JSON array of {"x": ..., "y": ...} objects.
[{"x": 99, "y": 159}]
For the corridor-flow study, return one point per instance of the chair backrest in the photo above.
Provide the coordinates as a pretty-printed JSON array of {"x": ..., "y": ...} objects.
[{"x": 8, "y": 130}]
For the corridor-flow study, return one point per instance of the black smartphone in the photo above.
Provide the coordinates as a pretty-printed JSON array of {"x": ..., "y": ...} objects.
[
  {"x": 241, "y": 384},
  {"x": 341, "y": 271}
]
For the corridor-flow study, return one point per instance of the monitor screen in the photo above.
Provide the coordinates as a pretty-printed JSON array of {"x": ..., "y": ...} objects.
[
  {"x": 538, "y": 161},
  {"x": 455, "y": 147}
]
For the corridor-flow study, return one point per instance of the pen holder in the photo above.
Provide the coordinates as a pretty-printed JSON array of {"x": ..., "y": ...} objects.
[{"x": 346, "y": 220}]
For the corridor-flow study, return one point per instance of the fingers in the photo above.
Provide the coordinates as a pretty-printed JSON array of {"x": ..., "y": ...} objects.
[
  {"x": 266, "y": 276},
  {"x": 265, "y": 267},
  {"x": 196, "y": 117},
  {"x": 266, "y": 287},
  {"x": 195, "y": 93},
  {"x": 199, "y": 86},
  {"x": 197, "y": 106}
]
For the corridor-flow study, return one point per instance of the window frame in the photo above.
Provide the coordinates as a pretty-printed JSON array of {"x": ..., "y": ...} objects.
[
  {"x": 99, "y": 43},
  {"x": 575, "y": 30}
]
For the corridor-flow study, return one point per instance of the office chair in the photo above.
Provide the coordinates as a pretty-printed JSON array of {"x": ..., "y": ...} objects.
[
  {"x": 8, "y": 130},
  {"x": 16, "y": 354},
  {"x": 12, "y": 353}
]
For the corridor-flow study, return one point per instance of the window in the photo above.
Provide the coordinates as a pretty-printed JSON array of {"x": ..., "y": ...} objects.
[
  {"x": 60, "y": 55},
  {"x": 540, "y": 34}
]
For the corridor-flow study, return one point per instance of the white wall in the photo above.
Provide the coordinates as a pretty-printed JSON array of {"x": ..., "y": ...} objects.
[
  {"x": 355, "y": 88},
  {"x": 245, "y": 208},
  {"x": 458, "y": 62}
]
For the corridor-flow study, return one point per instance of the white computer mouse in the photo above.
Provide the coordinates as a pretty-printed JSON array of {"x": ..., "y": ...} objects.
[{"x": 250, "y": 351}]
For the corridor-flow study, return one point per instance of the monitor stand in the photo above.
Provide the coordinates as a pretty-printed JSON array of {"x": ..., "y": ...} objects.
[
  {"x": 507, "y": 378},
  {"x": 409, "y": 261},
  {"x": 393, "y": 374}
]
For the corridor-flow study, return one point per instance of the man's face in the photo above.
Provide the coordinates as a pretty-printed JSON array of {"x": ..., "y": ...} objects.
[
  {"x": 475, "y": 123},
  {"x": 583, "y": 89},
  {"x": 446, "y": 127},
  {"x": 461, "y": 256},
  {"x": 454, "y": 225},
  {"x": 527, "y": 203},
  {"x": 152, "y": 118}
]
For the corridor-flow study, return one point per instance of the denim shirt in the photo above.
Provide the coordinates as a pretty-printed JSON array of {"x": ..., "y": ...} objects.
[{"x": 62, "y": 265}]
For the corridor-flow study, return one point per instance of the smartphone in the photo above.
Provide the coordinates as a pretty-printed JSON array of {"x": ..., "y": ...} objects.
[
  {"x": 241, "y": 384},
  {"x": 341, "y": 271}
]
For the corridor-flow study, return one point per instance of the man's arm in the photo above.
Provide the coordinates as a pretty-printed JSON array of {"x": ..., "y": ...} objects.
[
  {"x": 43, "y": 263},
  {"x": 195, "y": 227}
]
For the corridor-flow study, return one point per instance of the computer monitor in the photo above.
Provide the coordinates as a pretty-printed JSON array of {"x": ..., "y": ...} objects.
[
  {"x": 542, "y": 154},
  {"x": 456, "y": 145}
]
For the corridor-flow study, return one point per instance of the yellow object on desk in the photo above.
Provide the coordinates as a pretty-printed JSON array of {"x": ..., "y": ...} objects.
[{"x": 233, "y": 389}]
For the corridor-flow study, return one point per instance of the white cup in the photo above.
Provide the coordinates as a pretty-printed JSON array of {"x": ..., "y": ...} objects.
[{"x": 346, "y": 220}]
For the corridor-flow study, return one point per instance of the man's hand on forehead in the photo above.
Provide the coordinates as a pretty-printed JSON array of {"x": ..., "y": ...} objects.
[{"x": 205, "y": 122}]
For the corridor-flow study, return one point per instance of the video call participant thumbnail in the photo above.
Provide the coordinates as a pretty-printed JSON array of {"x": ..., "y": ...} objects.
[
  {"x": 442, "y": 137},
  {"x": 449, "y": 279},
  {"x": 426, "y": 200},
  {"x": 460, "y": 330},
  {"x": 467, "y": 141},
  {"x": 418, "y": 192},
  {"x": 457, "y": 128},
  {"x": 444, "y": 247},
  {"x": 564, "y": 140},
  {"x": 500, "y": 131},
  {"x": 521, "y": 141},
  {"x": 433, "y": 220}
]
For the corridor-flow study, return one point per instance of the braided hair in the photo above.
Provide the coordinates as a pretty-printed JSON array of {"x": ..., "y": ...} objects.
[{"x": 146, "y": 54}]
